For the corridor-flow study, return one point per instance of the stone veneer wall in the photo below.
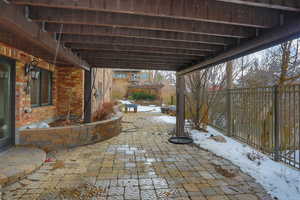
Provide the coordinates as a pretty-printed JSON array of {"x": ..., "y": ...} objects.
[{"x": 66, "y": 137}]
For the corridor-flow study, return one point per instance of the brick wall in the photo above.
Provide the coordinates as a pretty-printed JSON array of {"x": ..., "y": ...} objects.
[
  {"x": 67, "y": 89},
  {"x": 70, "y": 93},
  {"x": 23, "y": 101}
]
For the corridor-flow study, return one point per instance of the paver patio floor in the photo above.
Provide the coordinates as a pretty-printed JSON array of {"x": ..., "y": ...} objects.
[{"x": 138, "y": 164}]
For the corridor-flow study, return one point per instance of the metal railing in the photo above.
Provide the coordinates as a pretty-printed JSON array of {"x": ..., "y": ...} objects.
[{"x": 267, "y": 118}]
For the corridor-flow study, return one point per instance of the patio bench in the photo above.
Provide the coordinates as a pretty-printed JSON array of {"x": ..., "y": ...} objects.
[{"x": 129, "y": 106}]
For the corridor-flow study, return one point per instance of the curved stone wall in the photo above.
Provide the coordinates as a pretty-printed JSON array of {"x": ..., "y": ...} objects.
[{"x": 71, "y": 136}]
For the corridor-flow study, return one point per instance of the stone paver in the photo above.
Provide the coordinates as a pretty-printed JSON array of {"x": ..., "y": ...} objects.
[{"x": 137, "y": 164}]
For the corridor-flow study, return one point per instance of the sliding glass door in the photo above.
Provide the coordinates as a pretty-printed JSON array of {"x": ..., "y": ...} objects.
[{"x": 6, "y": 100}]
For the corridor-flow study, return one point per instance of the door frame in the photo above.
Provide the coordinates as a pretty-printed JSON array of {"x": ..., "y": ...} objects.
[{"x": 12, "y": 103}]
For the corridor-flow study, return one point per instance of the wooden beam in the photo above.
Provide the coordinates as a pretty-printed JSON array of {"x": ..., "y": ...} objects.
[
  {"x": 138, "y": 61},
  {"x": 12, "y": 19},
  {"x": 196, "y": 10},
  {"x": 136, "y": 49},
  {"x": 287, "y": 5},
  {"x": 115, "y": 54},
  {"x": 140, "y": 42},
  {"x": 267, "y": 39},
  {"x": 88, "y": 82},
  {"x": 137, "y": 33},
  {"x": 68, "y": 16},
  {"x": 142, "y": 60},
  {"x": 134, "y": 66}
]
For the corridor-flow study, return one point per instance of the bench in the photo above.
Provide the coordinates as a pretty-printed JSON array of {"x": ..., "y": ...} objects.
[{"x": 129, "y": 106}]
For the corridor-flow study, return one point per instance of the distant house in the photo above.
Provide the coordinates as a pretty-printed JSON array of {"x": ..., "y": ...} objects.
[{"x": 123, "y": 78}]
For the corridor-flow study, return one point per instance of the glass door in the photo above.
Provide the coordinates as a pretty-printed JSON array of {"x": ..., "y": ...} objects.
[{"x": 6, "y": 137}]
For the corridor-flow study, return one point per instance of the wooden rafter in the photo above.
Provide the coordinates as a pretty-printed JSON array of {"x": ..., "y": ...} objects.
[
  {"x": 68, "y": 16},
  {"x": 138, "y": 42},
  {"x": 137, "y": 33},
  {"x": 268, "y": 39},
  {"x": 13, "y": 21},
  {"x": 114, "y": 54},
  {"x": 197, "y": 10},
  {"x": 171, "y": 34},
  {"x": 138, "y": 49},
  {"x": 288, "y": 5}
]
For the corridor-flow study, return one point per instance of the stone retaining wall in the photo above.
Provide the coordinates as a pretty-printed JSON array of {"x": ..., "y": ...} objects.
[{"x": 66, "y": 137}]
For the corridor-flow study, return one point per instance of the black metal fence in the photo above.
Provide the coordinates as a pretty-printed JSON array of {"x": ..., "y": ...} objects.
[{"x": 266, "y": 118}]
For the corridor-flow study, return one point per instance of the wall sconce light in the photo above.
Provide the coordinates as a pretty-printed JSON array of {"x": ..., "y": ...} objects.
[{"x": 30, "y": 70}]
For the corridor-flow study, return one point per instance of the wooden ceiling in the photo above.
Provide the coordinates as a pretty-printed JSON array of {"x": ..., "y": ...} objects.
[{"x": 179, "y": 35}]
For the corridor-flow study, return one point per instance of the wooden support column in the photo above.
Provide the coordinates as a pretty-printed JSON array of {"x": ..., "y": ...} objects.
[
  {"x": 88, "y": 96},
  {"x": 180, "y": 106},
  {"x": 228, "y": 97}
]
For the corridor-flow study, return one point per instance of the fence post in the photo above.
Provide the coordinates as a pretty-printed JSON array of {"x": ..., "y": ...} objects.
[
  {"x": 276, "y": 123},
  {"x": 229, "y": 83},
  {"x": 229, "y": 110}
]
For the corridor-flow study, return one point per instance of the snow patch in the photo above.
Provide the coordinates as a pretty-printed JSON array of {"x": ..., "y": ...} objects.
[
  {"x": 165, "y": 119},
  {"x": 279, "y": 180},
  {"x": 150, "y": 108}
]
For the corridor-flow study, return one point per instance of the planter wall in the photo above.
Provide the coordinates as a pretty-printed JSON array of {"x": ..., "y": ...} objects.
[{"x": 66, "y": 137}]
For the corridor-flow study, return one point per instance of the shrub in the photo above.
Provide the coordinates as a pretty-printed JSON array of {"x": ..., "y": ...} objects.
[
  {"x": 130, "y": 98},
  {"x": 106, "y": 109},
  {"x": 142, "y": 96}
]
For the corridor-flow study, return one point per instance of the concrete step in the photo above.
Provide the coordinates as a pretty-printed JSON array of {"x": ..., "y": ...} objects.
[{"x": 17, "y": 162}]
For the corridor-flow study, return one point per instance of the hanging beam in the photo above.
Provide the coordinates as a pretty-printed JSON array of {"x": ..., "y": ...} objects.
[
  {"x": 287, "y": 5},
  {"x": 13, "y": 21},
  {"x": 196, "y": 10},
  {"x": 138, "y": 33},
  {"x": 68, "y": 16},
  {"x": 267, "y": 39}
]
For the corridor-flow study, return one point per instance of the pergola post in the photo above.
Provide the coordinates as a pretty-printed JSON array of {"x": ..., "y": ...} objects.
[
  {"x": 88, "y": 96},
  {"x": 180, "y": 105}
]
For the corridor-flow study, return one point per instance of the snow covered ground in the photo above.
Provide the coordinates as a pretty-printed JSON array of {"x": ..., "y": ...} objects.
[
  {"x": 278, "y": 179},
  {"x": 165, "y": 118},
  {"x": 150, "y": 108}
]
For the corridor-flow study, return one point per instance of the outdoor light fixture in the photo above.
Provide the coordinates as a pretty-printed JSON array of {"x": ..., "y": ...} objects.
[{"x": 30, "y": 70}]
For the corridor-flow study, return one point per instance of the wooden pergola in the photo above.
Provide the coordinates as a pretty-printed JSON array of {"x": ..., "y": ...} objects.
[{"x": 177, "y": 35}]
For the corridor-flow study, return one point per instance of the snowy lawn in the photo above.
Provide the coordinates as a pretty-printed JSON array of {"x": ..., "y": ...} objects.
[
  {"x": 278, "y": 179},
  {"x": 150, "y": 108},
  {"x": 165, "y": 119}
]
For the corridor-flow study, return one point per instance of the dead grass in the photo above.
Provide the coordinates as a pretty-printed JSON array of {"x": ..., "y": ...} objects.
[
  {"x": 224, "y": 172},
  {"x": 58, "y": 165}
]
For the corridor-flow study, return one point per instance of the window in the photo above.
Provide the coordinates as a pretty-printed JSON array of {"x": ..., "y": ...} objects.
[
  {"x": 145, "y": 76},
  {"x": 120, "y": 75},
  {"x": 134, "y": 77},
  {"x": 41, "y": 88}
]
